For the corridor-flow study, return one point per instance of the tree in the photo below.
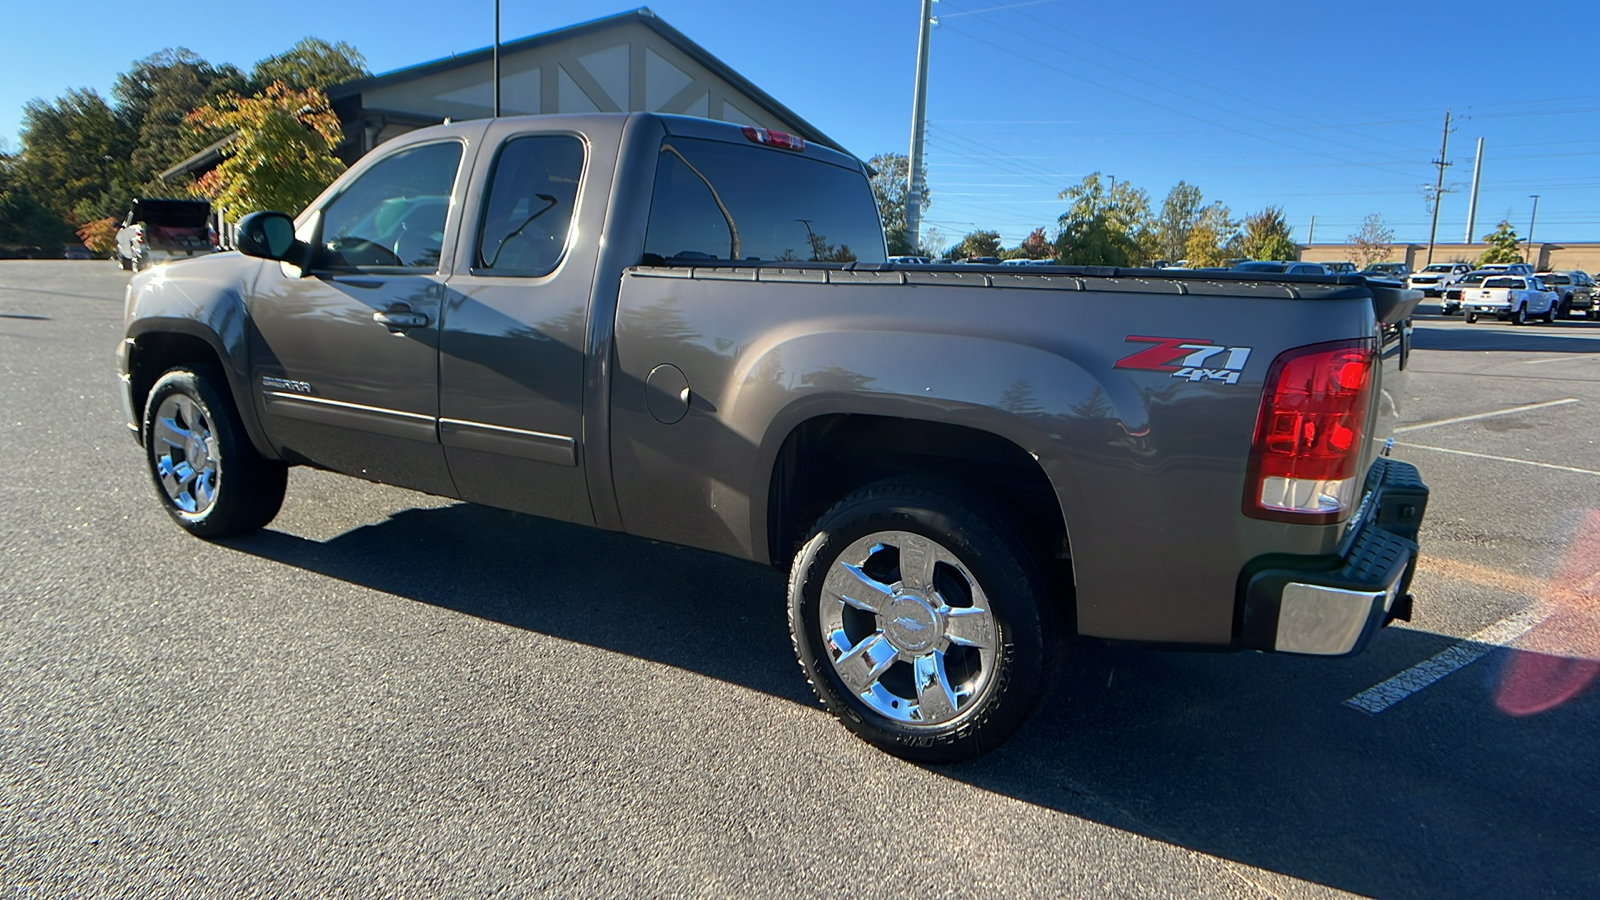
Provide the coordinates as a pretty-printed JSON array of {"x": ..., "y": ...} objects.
[
  {"x": 1504, "y": 245},
  {"x": 24, "y": 221},
  {"x": 100, "y": 236},
  {"x": 154, "y": 99},
  {"x": 282, "y": 156},
  {"x": 74, "y": 156},
  {"x": 1267, "y": 236},
  {"x": 1037, "y": 246},
  {"x": 977, "y": 243},
  {"x": 1179, "y": 213},
  {"x": 889, "y": 186},
  {"x": 1214, "y": 237},
  {"x": 1104, "y": 227},
  {"x": 312, "y": 63},
  {"x": 1372, "y": 243}
]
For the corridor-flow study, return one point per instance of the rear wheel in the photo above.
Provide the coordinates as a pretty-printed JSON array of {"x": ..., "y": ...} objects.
[
  {"x": 209, "y": 477},
  {"x": 1472, "y": 318},
  {"x": 921, "y": 621},
  {"x": 1519, "y": 316}
]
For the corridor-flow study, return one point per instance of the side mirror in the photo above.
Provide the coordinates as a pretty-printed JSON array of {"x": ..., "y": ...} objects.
[{"x": 267, "y": 235}]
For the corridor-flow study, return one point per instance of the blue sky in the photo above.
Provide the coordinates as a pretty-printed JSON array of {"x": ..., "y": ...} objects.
[{"x": 1328, "y": 110}]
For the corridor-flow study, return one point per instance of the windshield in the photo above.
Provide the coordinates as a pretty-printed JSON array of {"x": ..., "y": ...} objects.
[
  {"x": 1474, "y": 278},
  {"x": 1437, "y": 268},
  {"x": 1504, "y": 283}
]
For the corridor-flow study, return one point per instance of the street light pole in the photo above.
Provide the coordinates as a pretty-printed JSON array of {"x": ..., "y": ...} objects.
[
  {"x": 1531, "y": 220},
  {"x": 497, "y": 59},
  {"x": 919, "y": 120}
]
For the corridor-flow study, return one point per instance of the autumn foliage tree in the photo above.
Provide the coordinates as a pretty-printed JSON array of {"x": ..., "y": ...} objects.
[
  {"x": 282, "y": 154},
  {"x": 100, "y": 235}
]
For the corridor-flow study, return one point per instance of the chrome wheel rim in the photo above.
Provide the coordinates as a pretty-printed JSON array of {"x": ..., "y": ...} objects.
[
  {"x": 908, "y": 630},
  {"x": 187, "y": 463}
]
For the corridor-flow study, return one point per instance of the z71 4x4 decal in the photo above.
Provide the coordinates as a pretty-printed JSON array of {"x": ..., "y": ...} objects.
[{"x": 1194, "y": 359}]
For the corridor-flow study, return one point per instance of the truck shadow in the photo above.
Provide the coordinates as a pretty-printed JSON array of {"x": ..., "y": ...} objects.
[
  {"x": 1248, "y": 757},
  {"x": 1564, "y": 336}
]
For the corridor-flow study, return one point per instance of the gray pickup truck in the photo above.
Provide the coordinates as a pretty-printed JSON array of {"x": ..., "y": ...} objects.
[{"x": 687, "y": 330}]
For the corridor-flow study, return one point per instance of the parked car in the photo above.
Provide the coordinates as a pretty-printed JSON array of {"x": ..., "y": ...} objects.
[
  {"x": 1514, "y": 298},
  {"x": 160, "y": 229},
  {"x": 1269, "y": 267},
  {"x": 1391, "y": 271},
  {"x": 446, "y": 317},
  {"x": 75, "y": 251},
  {"x": 1433, "y": 278},
  {"x": 1507, "y": 268},
  {"x": 1576, "y": 290},
  {"x": 1029, "y": 262},
  {"x": 980, "y": 261},
  {"x": 1452, "y": 296},
  {"x": 910, "y": 260},
  {"x": 1339, "y": 267}
]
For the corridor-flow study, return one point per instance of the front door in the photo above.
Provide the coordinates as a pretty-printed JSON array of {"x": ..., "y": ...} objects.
[{"x": 345, "y": 355}]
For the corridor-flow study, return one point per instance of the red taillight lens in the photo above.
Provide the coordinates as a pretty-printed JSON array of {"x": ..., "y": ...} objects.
[
  {"x": 1309, "y": 431},
  {"x": 138, "y": 234},
  {"x": 778, "y": 139}
]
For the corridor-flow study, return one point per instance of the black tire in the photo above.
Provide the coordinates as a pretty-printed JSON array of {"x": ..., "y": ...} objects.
[
  {"x": 124, "y": 263},
  {"x": 990, "y": 563},
  {"x": 236, "y": 491},
  {"x": 1519, "y": 316},
  {"x": 1549, "y": 316},
  {"x": 1472, "y": 318}
]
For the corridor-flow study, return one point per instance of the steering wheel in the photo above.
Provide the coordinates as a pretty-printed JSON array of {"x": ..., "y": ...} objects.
[{"x": 356, "y": 251}]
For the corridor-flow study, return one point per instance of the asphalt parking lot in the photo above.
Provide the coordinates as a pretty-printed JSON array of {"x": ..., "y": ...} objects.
[{"x": 387, "y": 694}]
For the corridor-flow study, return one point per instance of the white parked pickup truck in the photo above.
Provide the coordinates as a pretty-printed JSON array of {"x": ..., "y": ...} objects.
[{"x": 1513, "y": 298}]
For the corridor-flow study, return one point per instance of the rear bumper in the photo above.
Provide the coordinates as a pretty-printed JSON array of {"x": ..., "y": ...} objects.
[{"x": 1331, "y": 606}]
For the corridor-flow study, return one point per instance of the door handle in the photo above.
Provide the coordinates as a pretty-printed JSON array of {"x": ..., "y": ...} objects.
[{"x": 399, "y": 319}]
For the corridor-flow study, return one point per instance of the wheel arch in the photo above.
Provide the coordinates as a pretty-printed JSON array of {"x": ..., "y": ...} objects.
[
  {"x": 157, "y": 345},
  {"x": 828, "y": 455}
]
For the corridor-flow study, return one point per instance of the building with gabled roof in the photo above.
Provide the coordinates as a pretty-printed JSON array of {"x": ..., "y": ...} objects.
[{"x": 630, "y": 62}]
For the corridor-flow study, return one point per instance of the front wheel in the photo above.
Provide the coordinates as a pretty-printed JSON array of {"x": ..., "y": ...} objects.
[
  {"x": 921, "y": 621},
  {"x": 209, "y": 477},
  {"x": 1549, "y": 316}
]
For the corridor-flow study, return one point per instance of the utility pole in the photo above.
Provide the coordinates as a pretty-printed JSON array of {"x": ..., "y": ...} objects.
[
  {"x": 1472, "y": 205},
  {"x": 497, "y": 59},
  {"x": 919, "y": 121},
  {"x": 1526, "y": 257},
  {"x": 1311, "y": 234},
  {"x": 1438, "y": 188}
]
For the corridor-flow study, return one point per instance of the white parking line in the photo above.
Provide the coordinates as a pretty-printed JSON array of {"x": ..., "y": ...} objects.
[
  {"x": 1571, "y": 358},
  {"x": 1385, "y": 694},
  {"x": 1509, "y": 459},
  {"x": 1487, "y": 415}
]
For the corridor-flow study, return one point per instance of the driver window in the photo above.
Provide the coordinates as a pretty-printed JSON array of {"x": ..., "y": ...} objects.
[{"x": 393, "y": 215}]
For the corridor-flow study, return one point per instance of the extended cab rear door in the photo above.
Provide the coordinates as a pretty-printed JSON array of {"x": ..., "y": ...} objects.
[{"x": 512, "y": 351}]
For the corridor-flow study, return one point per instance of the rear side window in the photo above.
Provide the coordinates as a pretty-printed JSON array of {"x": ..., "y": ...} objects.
[
  {"x": 533, "y": 192},
  {"x": 725, "y": 201}
]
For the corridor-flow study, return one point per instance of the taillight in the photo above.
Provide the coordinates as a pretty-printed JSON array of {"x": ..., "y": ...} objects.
[
  {"x": 138, "y": 234},
  {"x": 1309, "y": 432},
  {"x": 777, "y": 139}
]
